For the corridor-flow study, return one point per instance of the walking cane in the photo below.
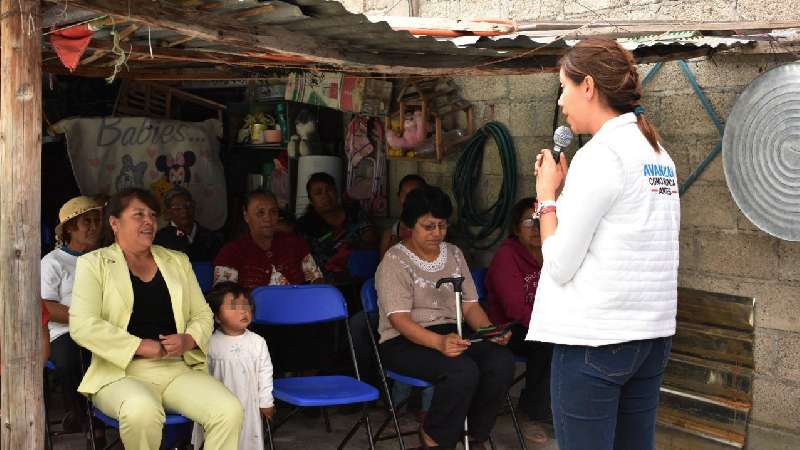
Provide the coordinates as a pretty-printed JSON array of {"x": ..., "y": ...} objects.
[{"x": 457, "y": 282}]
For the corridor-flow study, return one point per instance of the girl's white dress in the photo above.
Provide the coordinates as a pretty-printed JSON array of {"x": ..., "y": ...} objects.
[{"x": 243, "y": 365}]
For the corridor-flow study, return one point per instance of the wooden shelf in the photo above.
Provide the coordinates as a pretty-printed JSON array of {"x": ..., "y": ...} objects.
[{"x": 259, "y": 146}]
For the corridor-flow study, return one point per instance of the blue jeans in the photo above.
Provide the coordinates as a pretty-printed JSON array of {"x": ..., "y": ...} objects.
[{"x": 606, "y": 398}]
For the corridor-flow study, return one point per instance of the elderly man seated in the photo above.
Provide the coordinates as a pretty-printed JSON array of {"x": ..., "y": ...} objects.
[{"x": 184, "y": 233}]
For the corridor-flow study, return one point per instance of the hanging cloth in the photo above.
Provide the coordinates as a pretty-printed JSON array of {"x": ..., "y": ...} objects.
[{"x": 70, "y": 43}]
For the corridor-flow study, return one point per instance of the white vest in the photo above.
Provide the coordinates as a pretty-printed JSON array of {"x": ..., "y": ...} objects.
[{"x": 610, "y": 271}]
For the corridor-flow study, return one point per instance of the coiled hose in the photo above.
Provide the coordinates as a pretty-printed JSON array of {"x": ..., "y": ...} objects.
[{"x": 467, "y": 180}]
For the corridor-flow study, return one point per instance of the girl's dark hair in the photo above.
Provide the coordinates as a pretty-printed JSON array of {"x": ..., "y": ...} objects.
[
  {"x": 517, "y": 211},
  {"x": 216, "y": 297},
  {"x": 426, "y": 200},
  {"x": 257, "y": 193},
  {"x": 319, "y": 177},
  {"x": 613, "y": 70},
  {"x": 119, "y": 202},
  {"x": 411, "y": 178}
]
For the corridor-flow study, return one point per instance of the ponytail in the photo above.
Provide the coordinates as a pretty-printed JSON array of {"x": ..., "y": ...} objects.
[{"x": 649, "y": 131}]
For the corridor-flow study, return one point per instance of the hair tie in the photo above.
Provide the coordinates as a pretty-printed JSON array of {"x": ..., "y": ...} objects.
[{"x": 639, "y": 110}]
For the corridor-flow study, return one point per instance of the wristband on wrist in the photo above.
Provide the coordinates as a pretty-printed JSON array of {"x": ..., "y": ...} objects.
[{"x": 544, "y": 207}]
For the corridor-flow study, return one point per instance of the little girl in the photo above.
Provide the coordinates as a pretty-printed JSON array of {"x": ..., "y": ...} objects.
[{"x": 240, "y": 359}]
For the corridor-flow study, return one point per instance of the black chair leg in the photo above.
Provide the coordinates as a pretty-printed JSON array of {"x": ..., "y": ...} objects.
[
  {"x": 491, "y": 442},
  {"x": 369, "y": 429},
  {"x": 327, "y": 420},
  {"x": 517, "y": 430}
]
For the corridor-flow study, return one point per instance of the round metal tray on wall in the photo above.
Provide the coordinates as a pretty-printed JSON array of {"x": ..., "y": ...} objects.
[{"x": 761, "y": 152}]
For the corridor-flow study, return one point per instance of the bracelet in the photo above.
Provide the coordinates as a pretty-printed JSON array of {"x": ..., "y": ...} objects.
[
  {"x": 546, "y": 210},
  {"x": 542, "y": 206}
]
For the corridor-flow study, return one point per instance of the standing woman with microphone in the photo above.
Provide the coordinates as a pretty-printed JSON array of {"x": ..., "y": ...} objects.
[{"x": 607, "y": 295}]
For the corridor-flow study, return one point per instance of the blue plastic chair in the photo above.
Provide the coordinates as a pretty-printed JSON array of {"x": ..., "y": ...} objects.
[
  {"x": 363, "y": 264},
  {"x": 307, "y": 304},
  {"x": 479, "y": 277},
  {"x": 204, "y": 271},
  {"x": 177, "y": 430}
]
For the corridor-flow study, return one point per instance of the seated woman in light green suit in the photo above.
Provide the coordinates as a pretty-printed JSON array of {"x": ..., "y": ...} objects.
[{"x": 139, "y": 310}]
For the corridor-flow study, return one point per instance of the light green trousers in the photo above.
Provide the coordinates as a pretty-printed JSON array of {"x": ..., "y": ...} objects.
[{"x": 151, "y": 386}]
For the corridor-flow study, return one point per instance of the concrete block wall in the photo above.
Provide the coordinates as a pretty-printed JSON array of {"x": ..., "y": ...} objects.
[{"x": 721, "y": 251}]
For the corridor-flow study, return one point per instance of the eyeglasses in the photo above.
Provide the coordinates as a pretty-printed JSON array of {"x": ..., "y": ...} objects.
[
  {"x": 530, "y": 222},
  {"x": 433, "y": 226}
]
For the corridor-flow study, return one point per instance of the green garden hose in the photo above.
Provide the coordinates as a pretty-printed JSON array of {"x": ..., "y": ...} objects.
[{"x": 467, "y": 182}]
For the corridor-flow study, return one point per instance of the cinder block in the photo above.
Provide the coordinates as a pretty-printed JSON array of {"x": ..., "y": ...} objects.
[
  {"x": 540, "y": 86},
  {"x": 756, "y": 10},
  {"x": 723, "y": 102},
  {"x": 731, "y": 253},
  {"x": 732, "y": 70},
  {"x": 481, "y": 88},
  {"x": 653, "y": 109},
  {"x": 595, "y": 6},
  {"x": 688, "y": 251},
  {"x": 744, "y": 223},
  {"x": 787, "y": 360},
  {"x": 776, "y": 403},
  {"x": 715, "y": 171},
  {"x": 532, "y": 119},
  {"x": 761, "y": 438},
  {"x": 679, "y": 149},
  {"x": 776, "y": 305},
  {"x": 684, "y": 115},
  {"x": 765, "y": 351},
  {"x": 708, "y": 206},
  {"x": 528, "y": 10},
  {"x": 666, "y": 10},
  {"x": 526, "y": 187},
  {"x": 526, "y": 149},
  {"x": 789, "y": 260},
  {"x": 491, "y": 111},
  {"x": 668, "y": 78}
]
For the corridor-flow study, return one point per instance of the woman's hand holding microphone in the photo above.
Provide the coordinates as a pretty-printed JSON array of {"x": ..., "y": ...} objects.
[{"x": 550, "y": 175}]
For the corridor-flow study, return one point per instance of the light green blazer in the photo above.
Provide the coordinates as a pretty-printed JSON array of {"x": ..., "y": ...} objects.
[{"x": 102, "y": 304}]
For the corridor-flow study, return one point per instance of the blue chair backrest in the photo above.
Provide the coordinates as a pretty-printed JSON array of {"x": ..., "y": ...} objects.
[
  {"x": 363, "y": 264},
  {"x": 298, "y": 304},
  {"x": 369, "y": 297},
  {"x": 204, "y": 271},
  {"x": 479, "y": 276}
]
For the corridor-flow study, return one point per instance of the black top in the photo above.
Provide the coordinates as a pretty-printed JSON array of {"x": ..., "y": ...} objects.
[
  {"x": 152, "y": 309},
  {"x": 204, "y": 247}
]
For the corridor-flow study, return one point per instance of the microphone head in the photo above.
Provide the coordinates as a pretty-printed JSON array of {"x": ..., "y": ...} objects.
[{"x": 562, "y": 137}]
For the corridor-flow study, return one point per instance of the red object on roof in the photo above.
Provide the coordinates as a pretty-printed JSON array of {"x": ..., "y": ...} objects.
[{"x": 70, "y": 43}]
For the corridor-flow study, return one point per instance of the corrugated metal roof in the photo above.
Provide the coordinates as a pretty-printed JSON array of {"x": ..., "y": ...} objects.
[{"x": 313, "y": 34}]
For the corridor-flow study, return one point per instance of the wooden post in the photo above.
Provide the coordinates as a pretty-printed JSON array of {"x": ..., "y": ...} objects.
[{"x": 22, "y": 411}]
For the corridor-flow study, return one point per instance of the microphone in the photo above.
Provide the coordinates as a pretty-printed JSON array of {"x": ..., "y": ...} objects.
[{"x": 561, "y": 138}]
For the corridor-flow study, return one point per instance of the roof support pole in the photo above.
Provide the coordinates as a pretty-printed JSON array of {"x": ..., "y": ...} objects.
[{"x": 22, "y": 411}]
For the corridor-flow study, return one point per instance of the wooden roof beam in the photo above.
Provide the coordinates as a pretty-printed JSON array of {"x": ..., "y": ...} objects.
[{"x": 220, "y": 29}]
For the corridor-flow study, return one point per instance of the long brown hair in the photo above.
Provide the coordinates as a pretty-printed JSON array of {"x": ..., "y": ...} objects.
[{"x": 613, "y": 70}]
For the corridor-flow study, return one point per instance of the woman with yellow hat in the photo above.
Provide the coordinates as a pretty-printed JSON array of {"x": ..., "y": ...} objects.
[{"x": 77, "y": 232}]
